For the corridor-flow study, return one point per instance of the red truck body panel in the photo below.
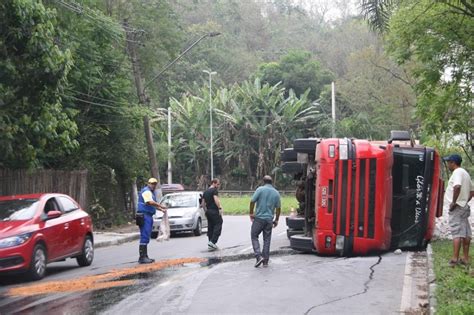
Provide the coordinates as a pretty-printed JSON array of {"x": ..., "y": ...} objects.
[{"x": 353, "y": 196}]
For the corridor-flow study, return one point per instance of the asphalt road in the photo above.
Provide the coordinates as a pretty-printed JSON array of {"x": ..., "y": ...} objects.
[{"x": 189, "y": 279}]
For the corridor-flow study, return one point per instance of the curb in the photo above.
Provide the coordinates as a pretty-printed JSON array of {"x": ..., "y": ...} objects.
[
  {"x": 431, "y": 280},
  {"x": 117, "y": 241}
]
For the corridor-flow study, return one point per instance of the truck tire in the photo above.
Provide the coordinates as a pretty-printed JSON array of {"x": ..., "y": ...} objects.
[
  {"x": 291, "y": 232},
  {"x": 302, "y": 243},
  {"x": 293, "y": 168},
  {"x": 289, "y": 155},
  {"x": 295, "y": 223},
  {"x": 305, "y": 145}
]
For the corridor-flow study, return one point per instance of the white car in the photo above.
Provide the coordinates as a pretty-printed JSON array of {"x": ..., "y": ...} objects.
[{"x": 184, "y": 212}]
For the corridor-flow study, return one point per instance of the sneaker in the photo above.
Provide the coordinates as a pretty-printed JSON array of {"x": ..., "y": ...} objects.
[
  {"x": 265, "y": 263},
  {"x": 259, "y": 262},
  {"x": 212, "y": 246}
]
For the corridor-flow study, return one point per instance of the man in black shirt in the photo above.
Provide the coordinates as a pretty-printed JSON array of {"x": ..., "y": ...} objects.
[{"x": 213, "y": 214}]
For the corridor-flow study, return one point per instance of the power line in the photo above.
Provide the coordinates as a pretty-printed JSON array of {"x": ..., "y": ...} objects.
[
  {"x": 89, "y": 13},
  {"x": 99, "y": 98},
  {"x": 95, "y": 103}
]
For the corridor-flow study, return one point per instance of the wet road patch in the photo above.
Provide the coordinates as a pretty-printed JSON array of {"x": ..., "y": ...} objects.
[{"x": 113, "y": 278}]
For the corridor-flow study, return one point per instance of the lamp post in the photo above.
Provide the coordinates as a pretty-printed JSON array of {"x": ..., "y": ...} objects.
[
  {"x": 210, "y": 73},
  {"x": 170, "y": 173},
  {"x": 333, "y": 109}
]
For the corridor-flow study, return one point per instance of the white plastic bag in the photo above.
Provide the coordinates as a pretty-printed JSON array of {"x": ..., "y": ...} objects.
[{"x": 164, "y": 232}]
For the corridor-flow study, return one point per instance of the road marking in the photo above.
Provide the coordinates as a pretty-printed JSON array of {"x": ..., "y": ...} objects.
[{"x": 405, "y": 303}]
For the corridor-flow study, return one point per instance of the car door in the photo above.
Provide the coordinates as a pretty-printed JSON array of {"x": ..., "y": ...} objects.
[
  {"x": 52, "y": 229},
  {"x": 74, "y": 220}
]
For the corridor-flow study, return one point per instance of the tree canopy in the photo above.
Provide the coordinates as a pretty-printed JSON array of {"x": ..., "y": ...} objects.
[{"x": 69, "y": 82}]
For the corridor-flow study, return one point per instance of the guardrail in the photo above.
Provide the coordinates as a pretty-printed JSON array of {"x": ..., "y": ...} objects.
[{"x": 250, "y": 192}]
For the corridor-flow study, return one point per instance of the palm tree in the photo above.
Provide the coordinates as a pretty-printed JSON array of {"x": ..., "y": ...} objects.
[{"x": 378, "y": 12}]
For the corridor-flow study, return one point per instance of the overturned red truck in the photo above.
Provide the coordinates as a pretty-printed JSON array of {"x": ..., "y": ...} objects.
[{"x": 359, "y": 196}]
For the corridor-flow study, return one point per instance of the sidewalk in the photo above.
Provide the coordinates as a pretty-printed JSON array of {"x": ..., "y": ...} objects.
[{"x": 116, "y": 236}]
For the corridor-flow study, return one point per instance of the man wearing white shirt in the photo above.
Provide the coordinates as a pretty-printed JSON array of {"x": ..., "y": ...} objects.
[{"x": 458, "y": 194}]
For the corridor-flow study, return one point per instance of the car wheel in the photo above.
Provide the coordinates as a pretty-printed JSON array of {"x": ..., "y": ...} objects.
[
  {"x": 38, "y": 263},
  {"x": 85, "y": 259},
  {"x": 154, "y": 234},
  {"x": 198, "y": 230}
]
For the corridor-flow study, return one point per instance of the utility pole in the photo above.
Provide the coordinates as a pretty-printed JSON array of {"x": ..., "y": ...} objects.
[
  {"x": 141, "y": 90},
  {"x": 170, "y": 173},
  {"x": 211, "y": 73},
  {"x": 142, "y": 98},
  {"x": 333, "y": 106}
]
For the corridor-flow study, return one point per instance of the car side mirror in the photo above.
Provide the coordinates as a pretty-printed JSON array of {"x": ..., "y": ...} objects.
[{"x": 53, "y": 214}]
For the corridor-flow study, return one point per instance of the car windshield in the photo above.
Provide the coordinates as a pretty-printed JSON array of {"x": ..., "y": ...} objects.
[
  {"x": 179, "y": 201},
  {"x": 20, "y": 209}
]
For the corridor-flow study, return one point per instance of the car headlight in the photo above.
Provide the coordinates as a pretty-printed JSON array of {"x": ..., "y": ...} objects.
[
  {"x": 188, "y": 214},
  {"x": 14, "y": 240}
]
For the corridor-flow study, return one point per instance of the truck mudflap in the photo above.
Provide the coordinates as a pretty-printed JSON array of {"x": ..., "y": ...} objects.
[{"x": 302, "y": 243}]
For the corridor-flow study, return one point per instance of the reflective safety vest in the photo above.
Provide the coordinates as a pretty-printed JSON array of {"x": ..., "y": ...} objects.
[{"x": 142, "y": 206}]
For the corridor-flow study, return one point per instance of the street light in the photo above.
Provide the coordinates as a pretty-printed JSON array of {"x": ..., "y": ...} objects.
[{"x": 210, "y": 73}]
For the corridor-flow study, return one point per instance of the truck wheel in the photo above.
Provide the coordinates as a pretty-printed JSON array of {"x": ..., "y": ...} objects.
[
  {"x": 85, "y": 259},
  {"x": 306, "y": 145},
  {"x": 288, "y": 155},
  {"x": 295, "y": 223},
  {"x": 293, "y": 168},
  {"x": 291, "y": 232}
]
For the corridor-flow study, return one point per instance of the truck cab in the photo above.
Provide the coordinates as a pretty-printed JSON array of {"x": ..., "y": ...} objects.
[{"x": 363, "y": 196}]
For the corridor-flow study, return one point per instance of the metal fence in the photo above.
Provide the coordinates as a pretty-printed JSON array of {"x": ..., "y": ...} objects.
[{"x": 72, "y": 183}]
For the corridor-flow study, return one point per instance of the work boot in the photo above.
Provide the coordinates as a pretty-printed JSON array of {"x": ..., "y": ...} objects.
[{"x": 144, "y": 255}]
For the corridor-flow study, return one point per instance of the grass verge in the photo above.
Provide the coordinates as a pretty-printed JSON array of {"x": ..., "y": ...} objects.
[
  {"x": 454, "y": 286},
  {"x": 240, "y": 205}
]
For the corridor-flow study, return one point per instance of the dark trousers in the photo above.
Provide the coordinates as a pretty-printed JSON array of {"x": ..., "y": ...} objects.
[
  {"x": 214, "y": 225},
  {"x": 145, "y": 229},
  {"x": 259, "y": 226}
]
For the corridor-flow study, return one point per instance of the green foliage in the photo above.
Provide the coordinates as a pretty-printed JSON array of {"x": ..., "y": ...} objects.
[
  {"x": 439, "y": 42},
  {"x": 298, "y": 71},
  {"x": 454, "y": 286},
  {"x": 378, "y": 12},
  {"x": 34, "y": 127},
  {"x": 252, "y": 123}
]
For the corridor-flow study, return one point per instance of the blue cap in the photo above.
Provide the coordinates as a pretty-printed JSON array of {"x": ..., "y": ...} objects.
[{"x": 456, "y": 158}]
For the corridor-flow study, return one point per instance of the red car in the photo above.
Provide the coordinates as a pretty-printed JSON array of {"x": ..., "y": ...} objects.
[{"x": 37, "y": 229}]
